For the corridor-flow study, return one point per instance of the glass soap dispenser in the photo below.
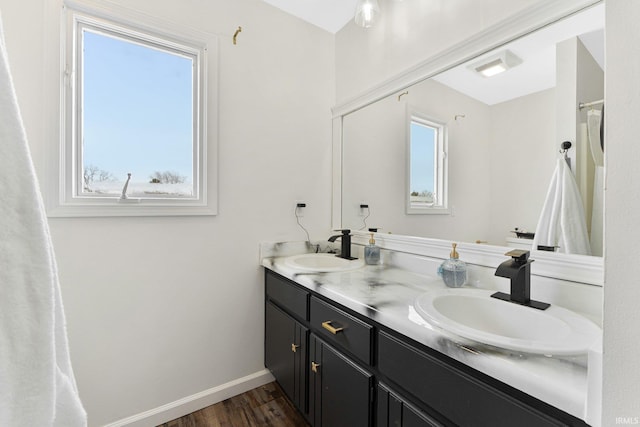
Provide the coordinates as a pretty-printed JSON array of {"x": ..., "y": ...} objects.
[
  {"x": 371, "y": 251},
  {"x": 453, "y": 271}
]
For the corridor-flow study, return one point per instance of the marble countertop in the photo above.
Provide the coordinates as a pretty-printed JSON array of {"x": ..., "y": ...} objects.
[{"x": 386, "y": 295}]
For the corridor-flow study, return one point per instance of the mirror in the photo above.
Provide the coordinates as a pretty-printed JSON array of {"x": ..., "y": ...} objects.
[{"x": 503, "y": 137}]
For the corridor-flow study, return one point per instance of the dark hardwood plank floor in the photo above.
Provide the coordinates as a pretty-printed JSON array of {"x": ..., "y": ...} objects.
[{"x": 262, "y": 406}]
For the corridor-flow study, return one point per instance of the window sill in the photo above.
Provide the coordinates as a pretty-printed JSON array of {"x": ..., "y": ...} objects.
[
  {"x": 130, "y": 208},
  {"x": 428, "y": 211}
]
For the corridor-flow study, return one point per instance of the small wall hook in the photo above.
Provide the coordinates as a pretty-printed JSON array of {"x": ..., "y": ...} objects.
[
  {"x": 235, "y": 35},
  {"x": 459, "y": 116},
  {"x": 406, "y": 92},
  {"x": 565, "y": 146}
]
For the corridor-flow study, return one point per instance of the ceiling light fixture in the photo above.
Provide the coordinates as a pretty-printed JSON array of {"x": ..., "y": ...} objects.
[
  {"x": 496, "y": 64},
  {"x": 367, "y": 13}
]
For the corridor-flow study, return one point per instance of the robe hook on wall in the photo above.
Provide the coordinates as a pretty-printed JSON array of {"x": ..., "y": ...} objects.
[
  {"x": 235, "y": 35},
  {"x": 564, "y": 147},
  {"x": 406, "y": 92}
]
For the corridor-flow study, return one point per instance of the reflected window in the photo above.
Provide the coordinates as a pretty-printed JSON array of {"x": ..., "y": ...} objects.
[{"x": 427, "y": 166}]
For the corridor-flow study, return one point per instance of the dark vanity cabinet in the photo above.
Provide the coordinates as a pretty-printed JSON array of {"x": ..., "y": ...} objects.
[
  {"x": 286, "y": 353},
  {"x": 341, "y": 368},
  {"x": 340, "y": 392},
  {"x": 286, "y": 339}
]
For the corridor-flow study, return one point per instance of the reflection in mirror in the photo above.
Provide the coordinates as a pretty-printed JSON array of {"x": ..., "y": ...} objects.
[{"x": 503, "y": 140}]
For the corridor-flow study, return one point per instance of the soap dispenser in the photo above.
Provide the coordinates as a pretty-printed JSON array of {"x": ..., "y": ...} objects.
[
  {"x": 372, "y": 252},
  {"x": 453, "y": 271}
]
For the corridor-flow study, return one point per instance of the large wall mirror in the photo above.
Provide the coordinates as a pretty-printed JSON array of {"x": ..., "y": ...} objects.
[{"x": 503, "y": 140}]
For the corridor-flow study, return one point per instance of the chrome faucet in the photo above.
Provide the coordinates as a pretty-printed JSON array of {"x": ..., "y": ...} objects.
[
  {"x": 518, "y": 270},
  {"x": 345, "y": 243}
]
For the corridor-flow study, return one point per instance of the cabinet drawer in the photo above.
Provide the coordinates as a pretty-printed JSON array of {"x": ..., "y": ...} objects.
[
  {"x": 456, "y": 395},
  {"x": 341, "y": 328},
  {"x": 288, "y": 295}
]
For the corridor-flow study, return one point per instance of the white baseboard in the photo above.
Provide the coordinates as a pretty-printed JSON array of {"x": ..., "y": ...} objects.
[{"x": 189, "y": 404}]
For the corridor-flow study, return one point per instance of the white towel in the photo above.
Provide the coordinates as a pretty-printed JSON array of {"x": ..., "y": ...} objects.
[
  {"x": 37, "y": 386},
  {"x": 562, "y": 221}
]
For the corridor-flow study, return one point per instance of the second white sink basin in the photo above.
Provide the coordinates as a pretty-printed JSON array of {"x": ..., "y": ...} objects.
[
  {"x": 322, "y": 263},
  {"x": 473, "y": 314}
]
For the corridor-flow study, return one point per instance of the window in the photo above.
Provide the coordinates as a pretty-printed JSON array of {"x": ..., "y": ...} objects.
[
  {"x": 135, "y": 131},
  {"x": 426, "y": 182}
]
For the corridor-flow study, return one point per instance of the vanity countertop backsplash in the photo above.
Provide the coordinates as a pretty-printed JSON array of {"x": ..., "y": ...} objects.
[{"x": 385, "y": 293}]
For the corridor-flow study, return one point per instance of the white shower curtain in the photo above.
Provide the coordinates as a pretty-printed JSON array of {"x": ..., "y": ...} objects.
[
  {"x": 562, "y": 222},
  {"x": 37, "y": 385},
  {"x": 594, "y": 120}
]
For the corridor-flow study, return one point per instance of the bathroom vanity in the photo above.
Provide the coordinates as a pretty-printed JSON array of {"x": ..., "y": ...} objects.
[{"x": 349, "y": 349}]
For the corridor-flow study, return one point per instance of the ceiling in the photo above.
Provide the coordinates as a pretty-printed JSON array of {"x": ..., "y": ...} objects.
[
  {"x": 537, "y": 71},
  {"x": 330, "y": 15},
  {"x": 537, "y": 51}
]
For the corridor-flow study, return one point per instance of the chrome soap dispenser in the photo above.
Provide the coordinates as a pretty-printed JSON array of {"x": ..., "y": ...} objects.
[
  {"x": 372, "y": 252},
  {"x": 453, "y": 271}
]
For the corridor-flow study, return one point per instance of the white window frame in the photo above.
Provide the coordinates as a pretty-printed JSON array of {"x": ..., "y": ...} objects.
[
  {"x": 440, "y": 165},
  {"x": 132, "y": 26}
]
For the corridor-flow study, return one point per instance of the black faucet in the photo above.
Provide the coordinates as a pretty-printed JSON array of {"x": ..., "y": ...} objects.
[
  {"x": 518, "y": 269},
  {"x": 345, "y": 248}
]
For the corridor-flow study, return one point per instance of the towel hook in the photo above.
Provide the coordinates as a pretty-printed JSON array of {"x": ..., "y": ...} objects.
[
  {"x": 235, "y": 35},
  {"x": 564, "y": 147},
  {"x": 406, "y": 92}
]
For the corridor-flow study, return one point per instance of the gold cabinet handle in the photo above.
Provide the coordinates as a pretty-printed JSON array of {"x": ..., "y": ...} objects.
[
  {"x": 294, "y": 347},
  {"x": 328, "y": 327},
  {"x": 314, "y": 367}
]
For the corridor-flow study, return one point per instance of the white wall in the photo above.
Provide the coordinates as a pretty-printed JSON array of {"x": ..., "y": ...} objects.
[
  {"x": 162, "y": 308},
  {"x": 621, "y": 391},
  {"x": 523, "y": 157}
]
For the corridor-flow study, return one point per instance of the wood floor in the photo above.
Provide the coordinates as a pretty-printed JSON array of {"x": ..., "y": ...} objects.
[{"x": 262, "y": 406}]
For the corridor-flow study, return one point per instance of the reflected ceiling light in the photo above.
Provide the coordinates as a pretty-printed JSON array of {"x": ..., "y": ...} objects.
[
  {"x": 367, "y": 13},
  {"x": 496, "y": 64}
]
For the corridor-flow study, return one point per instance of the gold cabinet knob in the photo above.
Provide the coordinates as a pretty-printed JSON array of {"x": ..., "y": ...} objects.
[
  {"x": 314, "y": 367},
  {"x": 294, "y": 347}
]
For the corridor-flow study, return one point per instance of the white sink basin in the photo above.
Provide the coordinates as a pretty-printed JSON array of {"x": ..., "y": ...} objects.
[
  {"x": 322, "y": 263},
  {"x": 473, "y": 314}
]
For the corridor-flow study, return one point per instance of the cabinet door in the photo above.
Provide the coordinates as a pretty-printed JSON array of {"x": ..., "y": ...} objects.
[
  {"x": 285, "y": 353},
  {"x": 393, "y": 411},
  {"x": 340, "y": 391}
]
